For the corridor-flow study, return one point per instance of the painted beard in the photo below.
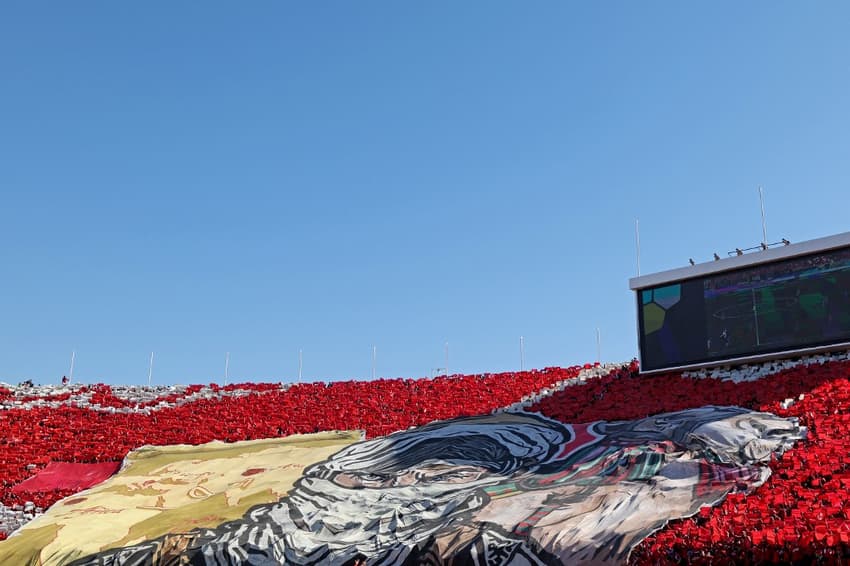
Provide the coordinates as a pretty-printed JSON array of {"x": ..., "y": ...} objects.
[{"x": 314, "y": 523}]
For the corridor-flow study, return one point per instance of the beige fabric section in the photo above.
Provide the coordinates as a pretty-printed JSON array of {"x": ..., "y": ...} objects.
[{"x": 170, "y": 489}]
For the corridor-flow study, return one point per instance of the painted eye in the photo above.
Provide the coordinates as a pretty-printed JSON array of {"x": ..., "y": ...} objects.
[
  {"x": 454, "y": 476},
  {"x": 372, "y": 477}
]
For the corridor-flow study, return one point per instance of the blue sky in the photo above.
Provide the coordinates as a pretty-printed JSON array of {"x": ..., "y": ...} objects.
[{"x": 264, "y": 177}]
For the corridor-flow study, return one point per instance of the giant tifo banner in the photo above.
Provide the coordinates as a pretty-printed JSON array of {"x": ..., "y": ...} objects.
[{"x": 511, "y": 488}]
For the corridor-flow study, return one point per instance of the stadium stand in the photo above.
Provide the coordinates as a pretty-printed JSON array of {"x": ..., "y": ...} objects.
[{"x": 801, "y": 514}]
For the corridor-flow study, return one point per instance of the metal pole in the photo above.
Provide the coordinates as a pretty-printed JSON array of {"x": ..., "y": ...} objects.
[
  {"x": 521, "y": 353},
  {"x": 598, "y": 346},
  {"x": 71, "y": 371},
  {"x": 763, "y": 222},
  {"x": 150, "y": 370},
  {"x": 226, "y": 367},
  {"x": 637, "y": 243}
]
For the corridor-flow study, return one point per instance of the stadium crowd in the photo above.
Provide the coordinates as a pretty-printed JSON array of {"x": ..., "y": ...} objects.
[{"x": 802, "y": 513}]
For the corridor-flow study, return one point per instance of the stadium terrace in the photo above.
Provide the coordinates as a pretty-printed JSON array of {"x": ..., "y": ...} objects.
[{"x": 801, "y": 513}]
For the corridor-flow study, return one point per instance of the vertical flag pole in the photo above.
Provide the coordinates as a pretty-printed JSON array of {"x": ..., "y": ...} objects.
[
  {"x": 150, "y": 370},
  {"x": 598, "y": 346},
  {"x": 763, "y": 222},
  {"x": 521, "y": 353},
  {"x": 226, "y": 367},
  {"x": 637, "y": 243},
  {"x": 71, "y": 371}
]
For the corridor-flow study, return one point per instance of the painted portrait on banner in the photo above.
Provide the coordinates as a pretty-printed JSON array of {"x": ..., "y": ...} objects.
[{"x": 509, "y": 488}]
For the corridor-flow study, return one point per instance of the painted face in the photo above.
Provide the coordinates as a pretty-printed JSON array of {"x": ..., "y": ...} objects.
[{"x": 426, "y": 474}]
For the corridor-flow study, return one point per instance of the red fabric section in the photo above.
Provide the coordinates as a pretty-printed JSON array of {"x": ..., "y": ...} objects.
[{"x": 67, "y": 475}]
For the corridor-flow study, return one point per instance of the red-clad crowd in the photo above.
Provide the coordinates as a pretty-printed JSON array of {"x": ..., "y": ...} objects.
[
  {"x": 802, "y": 513},
  {"x": 34, "y": 436}
]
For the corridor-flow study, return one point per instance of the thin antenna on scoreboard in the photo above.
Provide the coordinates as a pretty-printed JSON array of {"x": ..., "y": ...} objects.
[
  {"x": 150, "y": 370},
  {"x": 71, "y": 371},
  {"x": 374, "y": 360},
  {"x": 598, "y": 346},
  {"x": 300, "y": 363},
  {"x": 226, "y": 367},
  {"x": 763, "y": 222},
  {"x": 637, "y": 243},
  {"x": 521, "y": 353}
]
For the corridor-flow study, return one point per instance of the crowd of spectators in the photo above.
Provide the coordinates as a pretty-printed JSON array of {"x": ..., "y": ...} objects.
[{"x": 802, "y": 513}]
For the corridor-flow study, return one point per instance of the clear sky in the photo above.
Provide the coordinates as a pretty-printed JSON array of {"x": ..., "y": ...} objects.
[{"x": 260, "y": 177}]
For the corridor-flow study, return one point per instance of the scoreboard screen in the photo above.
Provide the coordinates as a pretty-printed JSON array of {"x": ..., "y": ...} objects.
[{"x": 781, "y": 306}]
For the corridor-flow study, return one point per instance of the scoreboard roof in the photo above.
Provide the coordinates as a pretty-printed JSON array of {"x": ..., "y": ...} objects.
[{"x": 741, "y": 261}]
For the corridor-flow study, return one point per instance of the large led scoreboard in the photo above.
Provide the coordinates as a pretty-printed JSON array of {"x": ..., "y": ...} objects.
[{"x": 766, "y": 304}]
